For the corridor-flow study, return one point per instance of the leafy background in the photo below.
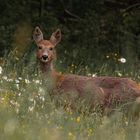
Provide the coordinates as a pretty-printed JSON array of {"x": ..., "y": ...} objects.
[{"x": 92, "y": 30}]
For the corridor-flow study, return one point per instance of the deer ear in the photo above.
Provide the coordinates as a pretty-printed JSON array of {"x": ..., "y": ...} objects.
[
  {"x": 37, "y": 35},
  {"x": 56, "y": 37}
]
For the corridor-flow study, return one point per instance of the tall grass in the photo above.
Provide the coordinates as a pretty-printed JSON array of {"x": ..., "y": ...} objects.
[{"x": 27, "y": 111}]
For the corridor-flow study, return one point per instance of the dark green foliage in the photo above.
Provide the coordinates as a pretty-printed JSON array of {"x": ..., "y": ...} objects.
[{"x": 92, "y": 30}]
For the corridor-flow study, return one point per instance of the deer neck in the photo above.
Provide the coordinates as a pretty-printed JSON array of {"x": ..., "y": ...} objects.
[
  {"x": 46, "y": 68},
  {"x": 49, "y": 72}
]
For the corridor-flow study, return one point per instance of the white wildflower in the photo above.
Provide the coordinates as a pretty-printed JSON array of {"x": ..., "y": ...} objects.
[
  {"x": 42, "y": 98},
  {"x": 17, "y": 81},
  {"x": 119, "y": 74},
  {"x": 42, "y": 91},
  {"x": 37, "y": 81},
  {"x": 107, "y": 56},
  {"x": 0, "y": 70},
  {"x": 94, "y": 75},
  {"x": 19, "y": 94},
  {"x": 17, "y": 110},
  {"x": 122, "y": 60},
  {"x": 19, "y": 78},
  {"x": 126, "y": 123},
  {"x": 17, "y": 85},
  {"x": 10, "y": 80},
  {"x": 31, "y": 108},
  {"x": 89, "y": 74},
  {"x": 27, "y": 81},
  {"x": 5, "y": 77},
  {"x": 16, "y": 104}
]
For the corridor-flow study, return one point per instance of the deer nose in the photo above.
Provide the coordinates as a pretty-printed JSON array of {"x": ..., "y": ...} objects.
[{"x": 45, "y": 57}]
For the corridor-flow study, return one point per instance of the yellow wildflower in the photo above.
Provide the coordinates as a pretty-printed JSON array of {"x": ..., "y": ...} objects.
[
  {"x": 78, "y": 119},
  {"x": 70, "y": 134},
  {"x": 90, "y": 131}
]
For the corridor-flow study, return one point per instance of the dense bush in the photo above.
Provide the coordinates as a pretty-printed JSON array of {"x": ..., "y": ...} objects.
[{"x": 95, "y": 30}]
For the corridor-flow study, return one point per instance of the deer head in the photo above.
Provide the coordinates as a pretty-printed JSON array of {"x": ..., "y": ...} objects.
[{"x": 46, "y": 48}]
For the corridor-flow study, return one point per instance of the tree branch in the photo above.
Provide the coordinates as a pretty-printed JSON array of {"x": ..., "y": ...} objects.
[{"x": 131, "y": 7}]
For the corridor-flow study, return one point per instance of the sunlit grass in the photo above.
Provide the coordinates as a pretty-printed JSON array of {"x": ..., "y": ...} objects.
[{"x": 27, "y": 111}]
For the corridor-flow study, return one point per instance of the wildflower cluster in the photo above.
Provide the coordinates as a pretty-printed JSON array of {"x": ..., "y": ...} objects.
[
  {"x": 28, "y": 111},
  {"x": 116, "y": 57}
]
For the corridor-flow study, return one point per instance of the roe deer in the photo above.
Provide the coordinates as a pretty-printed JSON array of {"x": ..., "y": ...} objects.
[{"x": 103, "y": 91}]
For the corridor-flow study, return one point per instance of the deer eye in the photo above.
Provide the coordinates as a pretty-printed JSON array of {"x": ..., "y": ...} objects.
[
  {"x": 39, "y": 47},
  {"x": 51, "y": 49}
]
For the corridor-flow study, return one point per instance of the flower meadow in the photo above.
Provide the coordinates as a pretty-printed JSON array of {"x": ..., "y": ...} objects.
[{"x": 28, "y": 112}]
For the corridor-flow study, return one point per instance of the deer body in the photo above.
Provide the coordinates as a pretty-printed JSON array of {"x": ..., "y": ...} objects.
[{"x": 101, "y": 90}]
